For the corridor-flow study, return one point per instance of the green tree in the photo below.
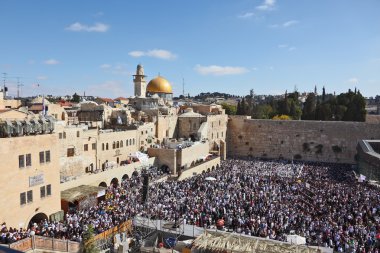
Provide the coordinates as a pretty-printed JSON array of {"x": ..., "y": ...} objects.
[
  {"x": 238, "y": 109},
  {"x": 230, "y": 109},
  {"x": 76, "y": 98},
  {"x": 88, "y": 240},
  {"x": 308, "y": 112},
  {"x": 243, "y": 107},
  {"x": 264, "y": 111}
]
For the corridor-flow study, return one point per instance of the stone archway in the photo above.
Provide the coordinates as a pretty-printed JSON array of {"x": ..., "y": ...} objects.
[
  {"x": 213, "y": 167},
  {"x": 37, "y": 218},
  {"x": 165, "y": 169},
  {"x": 125, "y": 177},
  {"x": 217, "y": 166},
  {"x": 115, "y": 182},
  {"x": 208, "y": 170},
  {"x": 103, "y": 184},
  {"x": 135, "y": 174}
]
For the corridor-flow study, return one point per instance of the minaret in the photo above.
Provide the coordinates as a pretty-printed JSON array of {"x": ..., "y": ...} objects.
[{"x": 139, "y": 81}]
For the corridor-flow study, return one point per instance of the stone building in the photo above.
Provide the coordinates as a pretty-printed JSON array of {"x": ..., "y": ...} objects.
[{"x": 29, "y": 179}]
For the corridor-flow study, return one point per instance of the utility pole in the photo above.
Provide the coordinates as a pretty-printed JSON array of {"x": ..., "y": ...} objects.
[
  {"x": 183, "y": 87},
  {"x": 19, "y": 85}
]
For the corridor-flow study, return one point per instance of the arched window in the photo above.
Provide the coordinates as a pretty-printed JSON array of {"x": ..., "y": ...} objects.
[
  {"x": 117, "y": 144},
  {"x": 121, "y": 144}
]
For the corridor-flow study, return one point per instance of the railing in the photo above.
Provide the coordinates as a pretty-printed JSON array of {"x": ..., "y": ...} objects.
[
  {"x": 45, "y": 243},
  {"x": 123, "y": 227}
]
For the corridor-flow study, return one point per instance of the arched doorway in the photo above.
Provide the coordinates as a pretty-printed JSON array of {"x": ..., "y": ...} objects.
[
  {"x": 208, "y": 170},
  {"x": 213, "y": 168},
  {"x": 125, "y": 177},
  {"x": 135, "y": 174},
  {"x": 217, "y": 166},
  {"x": 115, "y": 182},
  {"x": 37, "y": 218},
  {"x": 103, "y": 184},
  {"x": 165, "y": 169}
]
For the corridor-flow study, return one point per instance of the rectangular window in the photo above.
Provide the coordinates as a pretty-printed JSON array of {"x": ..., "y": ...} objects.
[
  {"x": 22, "y": 198},
  {"x": 106, "y": 146},
  {"x": 93, "y": 146},
  {"x": 21, "y": 161},
  {"x": 64, "y": 135},
  {"x": 28, "y": 159},
  {"x": 85, "y": 147},
  {"x": 102, "y": 146},
  {"x": 121, "y": 144},
  {"x": 47, "y": 156},
  {"x": 30, "y": 196},
  {"x": 70, "y": 152},
  {"x": 126, "y": 143},
  {"x": 48, "y": 190},
  {"x": 60, "y": 135},
  {"x": 42, "y": 157},
  {"x": 42, "y": 192}
]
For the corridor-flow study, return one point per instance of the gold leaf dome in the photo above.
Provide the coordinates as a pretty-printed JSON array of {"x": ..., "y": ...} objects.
[{"x": 159, "y": 85}]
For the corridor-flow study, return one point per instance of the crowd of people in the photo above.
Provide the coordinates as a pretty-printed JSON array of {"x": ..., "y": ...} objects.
[{"x": 322, "y": 202}]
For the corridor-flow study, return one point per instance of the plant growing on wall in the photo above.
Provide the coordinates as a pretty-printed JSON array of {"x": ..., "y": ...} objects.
[
  {"x": 306, "y": 147},
  {"x": 319, "y": 149},
  {"x": 336, "y": 149}
]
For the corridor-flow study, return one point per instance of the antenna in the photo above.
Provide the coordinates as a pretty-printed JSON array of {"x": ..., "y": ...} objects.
[
  {"x": 4, "y": 80},
  {"x": 19, "y": 85},
  {"x": 183, "y": 86}
]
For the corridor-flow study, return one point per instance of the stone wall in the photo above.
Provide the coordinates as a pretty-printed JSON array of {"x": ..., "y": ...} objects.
[{"x": 327, "y": 141}]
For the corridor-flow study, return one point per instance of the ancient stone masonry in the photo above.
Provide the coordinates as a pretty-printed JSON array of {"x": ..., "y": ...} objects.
[{"x": 327, "y": 141}]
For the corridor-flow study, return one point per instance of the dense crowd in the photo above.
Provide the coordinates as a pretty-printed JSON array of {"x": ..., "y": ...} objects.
[{"x": 270, "y": 199}]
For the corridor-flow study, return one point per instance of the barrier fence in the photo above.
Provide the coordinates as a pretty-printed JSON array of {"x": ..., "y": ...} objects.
[
  {"x": 45, "y": 243},
  {"x": 123, "y": 227}
]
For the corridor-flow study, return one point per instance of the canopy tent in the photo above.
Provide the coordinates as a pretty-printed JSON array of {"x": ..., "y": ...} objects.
[
  {"x": 141, "y": 156},
  {"x": 296, "y": 239},
  {"x": 231, "y": 242},
  {"x": 81, "y": 192}
]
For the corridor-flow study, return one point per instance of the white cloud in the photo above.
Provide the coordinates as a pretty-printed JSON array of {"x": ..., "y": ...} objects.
[
  {"x": 156, "y": 53},
  {"x": 219, "y": 70},
  {"x": 285, "y": 24},
  {"x": 353, "y": 80},
  {"x": 267, "y": 5},
  {"x": 42, "y": 77},
  {"x": 290, "y": 23},
  {"x": 285, "y": 46},
  {"x": 118, "y": 69},
  {"x": 51, "y": 62},
  {"x": 78, "y": 27},
  {"x": 105, "y": 66},
  {"x": 98, "y": 14},
  {"x": 108, "y": 88},
  {"x": 246, "y": 15}
]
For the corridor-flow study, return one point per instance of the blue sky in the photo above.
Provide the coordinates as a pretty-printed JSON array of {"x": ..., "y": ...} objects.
[{"x": 228, "y": 46}]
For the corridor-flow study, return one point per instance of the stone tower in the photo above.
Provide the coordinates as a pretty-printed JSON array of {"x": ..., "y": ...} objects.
[{"x": 139, "y": 81}]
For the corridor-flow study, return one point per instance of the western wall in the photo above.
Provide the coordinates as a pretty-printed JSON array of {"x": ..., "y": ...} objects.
[{"x": 325, "y": 141}]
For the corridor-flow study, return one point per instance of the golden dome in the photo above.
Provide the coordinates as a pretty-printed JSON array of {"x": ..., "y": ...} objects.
[{"x": 159, "y": 85}]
